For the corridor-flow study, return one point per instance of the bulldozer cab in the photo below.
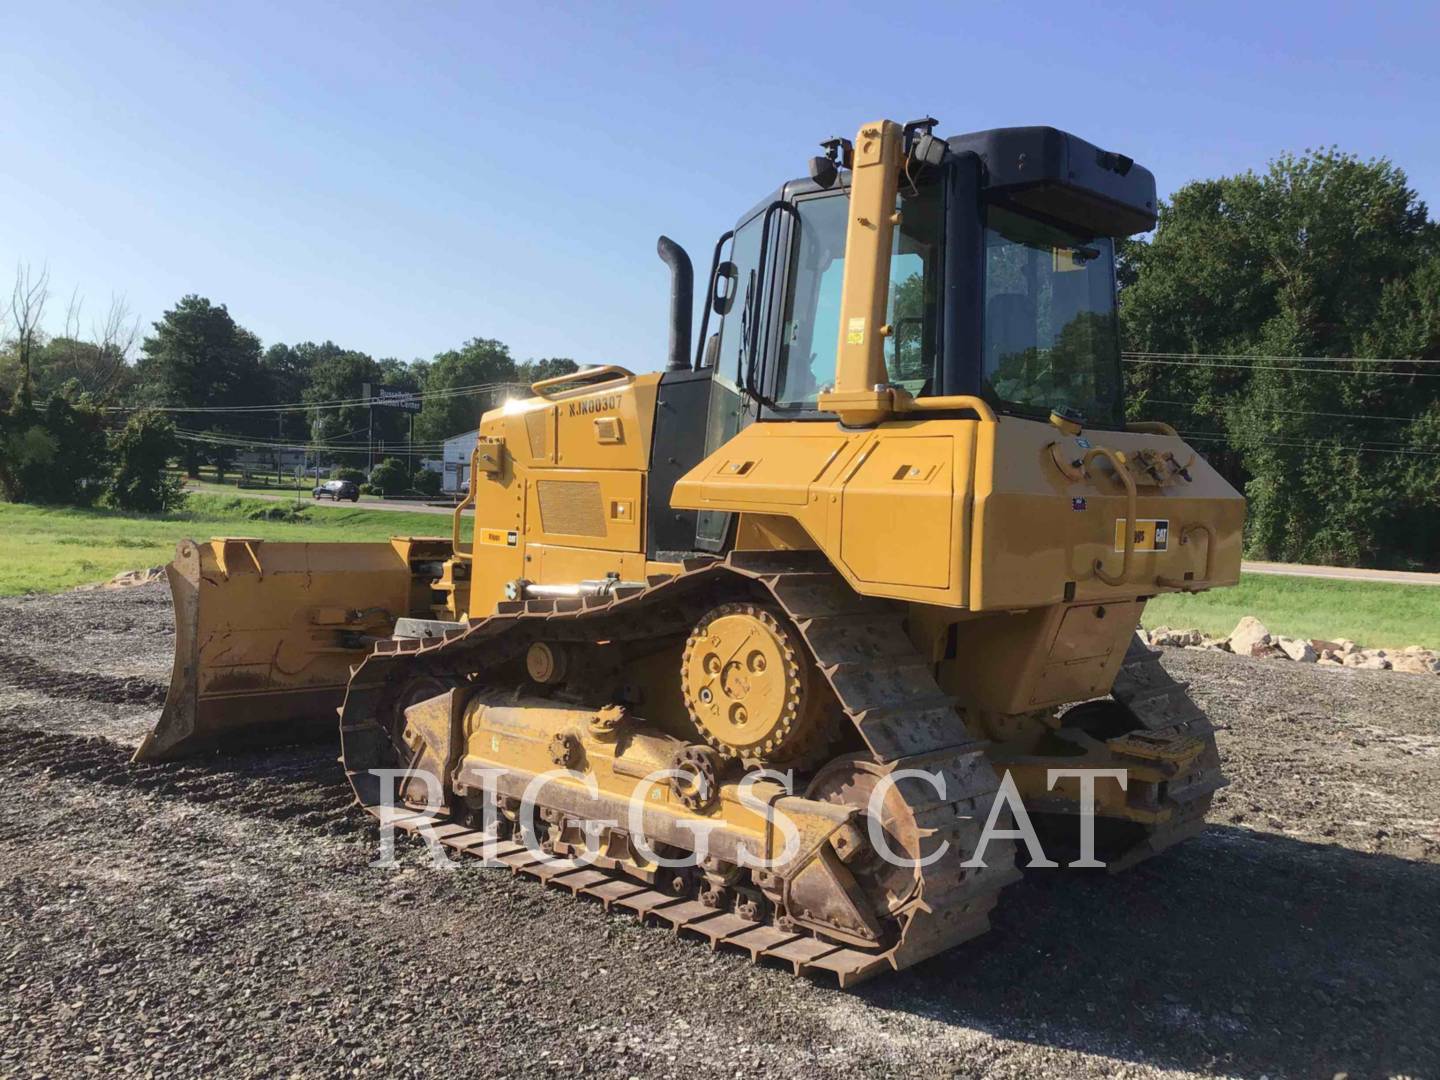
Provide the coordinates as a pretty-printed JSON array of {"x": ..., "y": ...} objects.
[{"x": 999, "y": 284}]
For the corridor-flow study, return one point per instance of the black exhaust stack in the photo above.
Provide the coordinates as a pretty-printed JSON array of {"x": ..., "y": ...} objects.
[{"x": 682, "y": 301}]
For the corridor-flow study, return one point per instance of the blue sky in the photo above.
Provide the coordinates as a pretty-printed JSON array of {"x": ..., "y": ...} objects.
[{"x": 400, "y": 177}]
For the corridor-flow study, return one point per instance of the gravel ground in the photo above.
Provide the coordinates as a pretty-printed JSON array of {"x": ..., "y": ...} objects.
[{"x": 222, "y": 917}]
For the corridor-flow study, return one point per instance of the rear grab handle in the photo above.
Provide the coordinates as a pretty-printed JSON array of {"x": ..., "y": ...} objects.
[
  {"x": 1117, "y": 462},
  {"x": 577, "y": 381}
]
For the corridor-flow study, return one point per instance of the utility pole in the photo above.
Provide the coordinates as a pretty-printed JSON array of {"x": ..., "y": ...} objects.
[{"x": 369, "y": 431}]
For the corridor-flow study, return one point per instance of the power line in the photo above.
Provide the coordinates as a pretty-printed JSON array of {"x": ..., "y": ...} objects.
[
  {"x": 1308, "y": 371},
  {"x": 281, "y": 440},
  {"x": 334, "y": 403},
  {"x": 436, "y": 395},
  {"x": 1210, "y": 436},
  {"x": 1253, "y": 356},
  {"x": 316, "y": 452},
  {"x": 1322, "y": 442},
  {"x": 1289, "y": 412},
  {"x": 244, "y": 443}
]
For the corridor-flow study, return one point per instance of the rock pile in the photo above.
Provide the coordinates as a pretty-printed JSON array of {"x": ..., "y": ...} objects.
[
  {"x": 127, "y": 579},
  {"x": 1252, "y": 638}
]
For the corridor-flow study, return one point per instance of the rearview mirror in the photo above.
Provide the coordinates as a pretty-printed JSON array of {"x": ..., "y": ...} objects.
[{"x": 727, "y": 275}]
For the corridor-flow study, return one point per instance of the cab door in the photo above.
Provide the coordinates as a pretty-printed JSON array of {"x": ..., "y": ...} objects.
[
  {"x": 736, "y": 295},
  {"x": 745, "y": 293}
]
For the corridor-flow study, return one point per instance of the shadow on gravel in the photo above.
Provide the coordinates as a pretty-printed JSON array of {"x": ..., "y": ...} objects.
[
  {"x": 1240, "y": 951},
  {"x": 24, "y": 673},
  {"x": 303, "y": 785}
]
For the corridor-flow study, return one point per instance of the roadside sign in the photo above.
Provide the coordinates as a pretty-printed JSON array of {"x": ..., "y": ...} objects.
[{"x": 393, "y": 399}]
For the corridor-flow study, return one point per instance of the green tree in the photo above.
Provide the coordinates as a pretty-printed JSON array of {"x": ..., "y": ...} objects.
[
  {"x": 1322, "y": 256},
  {"x": 427, "y": 481},
  {"x": 198, "y": 356},
  {"x": 288, "y": 370},
  {"x": 532, "y": 371},
  {"x": 52, "y": 453},
  {"x": 141, "y": 450},
  {"x": 100, "y": 373},
  {"x": 32, "y": 362},
  {"x": 340, "y": 375},
  {"x": 455, "y": 406},
  {"x": 390, "y": 477}
]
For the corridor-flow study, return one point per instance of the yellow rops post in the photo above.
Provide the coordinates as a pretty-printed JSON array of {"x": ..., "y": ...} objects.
[{"x": 829, "y": 594}]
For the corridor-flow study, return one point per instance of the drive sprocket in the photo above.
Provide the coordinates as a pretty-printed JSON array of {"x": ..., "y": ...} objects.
[{"x": 752, "y": 689}]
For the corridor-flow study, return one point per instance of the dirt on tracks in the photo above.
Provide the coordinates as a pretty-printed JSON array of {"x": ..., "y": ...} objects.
[{"x": 222, "y": 916}]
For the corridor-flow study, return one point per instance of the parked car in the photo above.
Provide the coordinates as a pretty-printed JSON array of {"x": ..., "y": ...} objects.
[{"x": 337, "y": 490}]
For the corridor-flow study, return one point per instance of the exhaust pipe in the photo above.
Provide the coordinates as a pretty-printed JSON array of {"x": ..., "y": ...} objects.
[{"x": 682, "y": 301}]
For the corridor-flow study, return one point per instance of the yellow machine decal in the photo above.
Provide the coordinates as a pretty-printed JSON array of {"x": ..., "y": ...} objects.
[
  {"x": 499, "y": 537},
  {"x": 1151, "y": 534},
  {"x": 587, "y": 406}
]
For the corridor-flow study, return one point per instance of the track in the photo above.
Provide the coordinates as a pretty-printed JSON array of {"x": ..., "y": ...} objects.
[
  {"x": 1164, "y": 706},
  {"x": 880, "y": 681}
]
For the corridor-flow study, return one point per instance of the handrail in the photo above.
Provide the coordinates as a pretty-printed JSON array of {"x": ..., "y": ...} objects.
[
  {"x": 752, "y": 376},
  {"x": 977, "y": 405},
  {"x": 469, "y": 500},
  {"x": 1152, "y": 427},
  {"x": 1209, "y": 575},
  {"x": 710, "y": 296},
  {"x": 616, "y": 373},
  {"x": 1118, "y": 464}
]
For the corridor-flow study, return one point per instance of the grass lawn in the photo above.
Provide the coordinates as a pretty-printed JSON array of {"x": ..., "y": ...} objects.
[
  {"x": 46, "y": 549},
  {"x": 1377, "y": 615}
]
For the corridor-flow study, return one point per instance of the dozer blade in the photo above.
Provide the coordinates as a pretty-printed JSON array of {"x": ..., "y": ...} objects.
[{"x": 266, "y": 634}]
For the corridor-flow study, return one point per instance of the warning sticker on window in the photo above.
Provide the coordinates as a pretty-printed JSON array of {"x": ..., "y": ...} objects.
[{"x": 1151, "y": 534}]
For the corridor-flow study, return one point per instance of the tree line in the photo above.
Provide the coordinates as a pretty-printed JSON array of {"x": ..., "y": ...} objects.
[
  {"x": 1287, "y": 322},
  {"x": 199, "y": 357},
  {"x": 203, "y": 389}
]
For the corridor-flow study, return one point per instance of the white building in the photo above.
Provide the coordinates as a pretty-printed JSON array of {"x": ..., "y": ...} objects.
[{"x": 458, "y": 449}]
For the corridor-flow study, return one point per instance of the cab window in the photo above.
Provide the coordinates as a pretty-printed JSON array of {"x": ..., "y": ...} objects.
[{"x": 809, "y": 334}]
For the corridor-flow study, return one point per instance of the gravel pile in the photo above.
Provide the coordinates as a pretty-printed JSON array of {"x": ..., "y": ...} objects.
[{"x": 222, "y": 918}]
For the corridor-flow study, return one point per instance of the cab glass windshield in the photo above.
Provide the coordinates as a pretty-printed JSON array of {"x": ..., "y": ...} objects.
[
  {"x": 810, "y": 332},
  {"x": 1050, "y": 335}
]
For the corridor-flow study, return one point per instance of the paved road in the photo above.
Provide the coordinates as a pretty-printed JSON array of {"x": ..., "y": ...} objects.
[
  {"x": 1341, "y": 573},
  {"x": 364, "y": 504}
]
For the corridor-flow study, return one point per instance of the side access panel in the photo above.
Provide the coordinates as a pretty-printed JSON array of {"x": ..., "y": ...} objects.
[{"x": 889, "y": 506}]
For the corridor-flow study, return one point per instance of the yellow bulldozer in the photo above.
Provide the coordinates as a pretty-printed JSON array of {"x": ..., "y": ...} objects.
[{"x": 846, "y": 589}]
